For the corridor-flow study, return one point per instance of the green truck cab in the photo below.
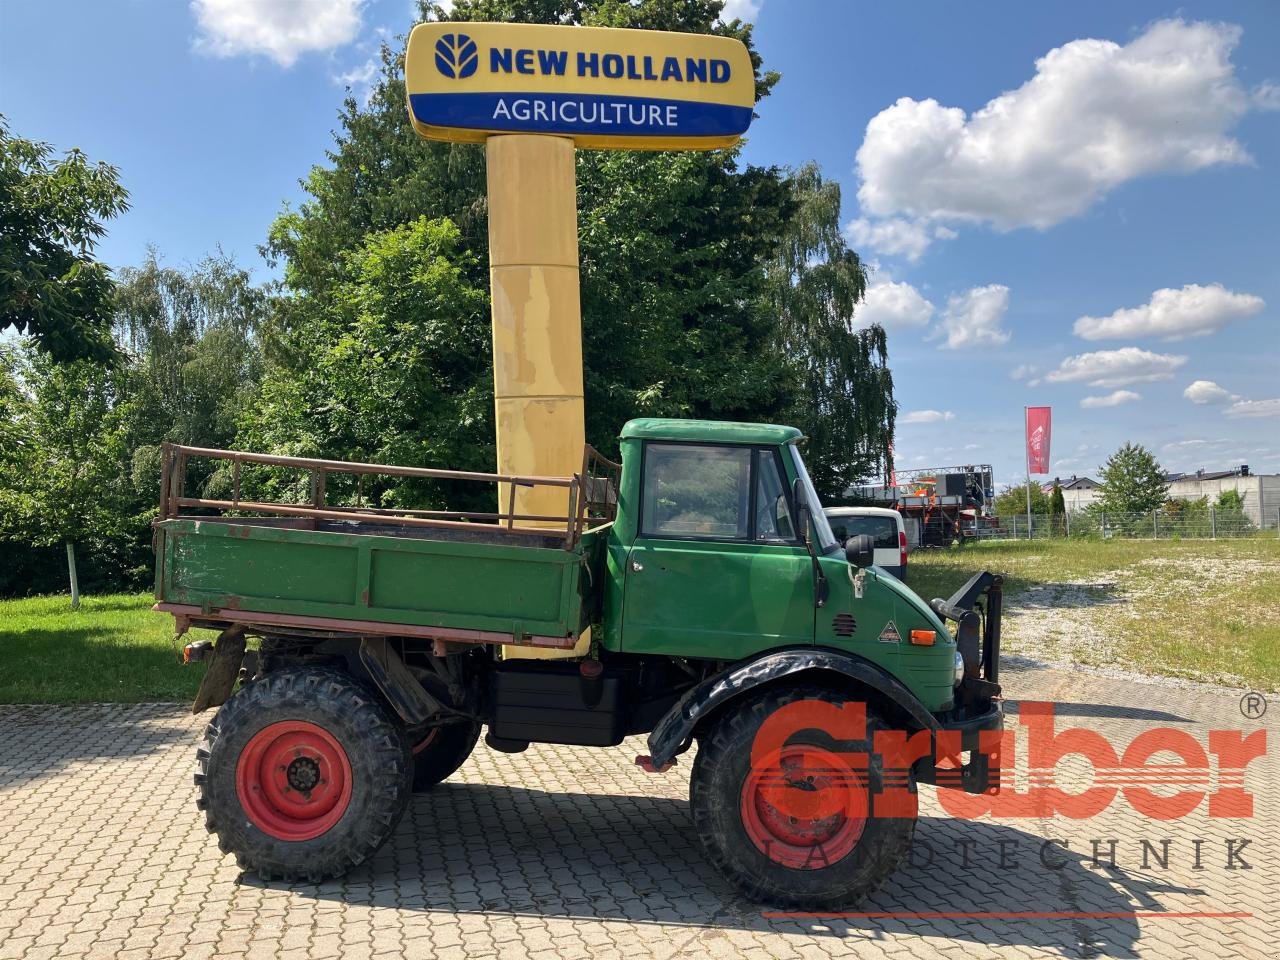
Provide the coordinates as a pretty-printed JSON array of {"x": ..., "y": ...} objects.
[{"x": 693, "y": 593}]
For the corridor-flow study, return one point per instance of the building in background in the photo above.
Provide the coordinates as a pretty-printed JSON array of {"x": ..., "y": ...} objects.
[
  {"x": 1259, "y": 492},
  {"x": 1077, "y": 492}
]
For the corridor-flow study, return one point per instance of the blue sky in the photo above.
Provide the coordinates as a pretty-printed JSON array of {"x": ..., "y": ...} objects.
[{"x": 1073, "y": 205}]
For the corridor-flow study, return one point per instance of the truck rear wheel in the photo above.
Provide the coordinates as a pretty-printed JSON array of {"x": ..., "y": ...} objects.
[
  {"x": 303, "y": 774},
  {"x": 441, "y": 751},
  {"x": 795, "y": 827}
]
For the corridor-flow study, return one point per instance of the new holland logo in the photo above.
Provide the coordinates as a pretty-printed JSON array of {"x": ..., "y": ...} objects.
[{"x": 456, "y": 56}]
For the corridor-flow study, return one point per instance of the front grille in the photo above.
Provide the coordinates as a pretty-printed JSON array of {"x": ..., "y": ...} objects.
[{"x": 843, "y": 624}]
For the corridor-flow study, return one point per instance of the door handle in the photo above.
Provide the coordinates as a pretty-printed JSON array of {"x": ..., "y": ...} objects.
[{"x": 637, "y": 566}]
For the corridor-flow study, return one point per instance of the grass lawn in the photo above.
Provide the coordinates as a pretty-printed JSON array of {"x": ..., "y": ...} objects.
[
  {"x": 1202, "y": 610},
  {"x": 113, "y": 649}
]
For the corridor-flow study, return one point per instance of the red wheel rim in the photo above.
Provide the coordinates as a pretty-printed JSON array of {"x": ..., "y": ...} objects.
[
  {"x": 426, "y": 741},
  {"x": 293, "y": 780},
  {"x": 807, "y": 809}
]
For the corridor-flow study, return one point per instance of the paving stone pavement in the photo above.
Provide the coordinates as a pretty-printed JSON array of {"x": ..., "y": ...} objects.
[{"x": 563, "y": 853}]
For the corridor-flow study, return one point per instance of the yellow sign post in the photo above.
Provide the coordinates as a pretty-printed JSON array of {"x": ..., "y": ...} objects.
[{"x": 532, "y": 93}]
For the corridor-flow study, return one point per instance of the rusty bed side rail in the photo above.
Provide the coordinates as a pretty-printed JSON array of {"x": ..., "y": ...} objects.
[{"x": 596, "y": 504}]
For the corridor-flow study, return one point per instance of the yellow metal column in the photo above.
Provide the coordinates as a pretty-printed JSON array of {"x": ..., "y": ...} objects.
[{"x": 537, "y": 320}]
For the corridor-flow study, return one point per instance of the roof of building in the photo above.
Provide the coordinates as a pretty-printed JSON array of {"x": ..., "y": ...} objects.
[
  {"x": 1075, "y": 483},
  {"x": 714, "y": 431},
  {"x": 1240, "y": 471}
]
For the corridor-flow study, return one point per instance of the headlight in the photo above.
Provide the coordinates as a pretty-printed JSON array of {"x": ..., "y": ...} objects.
[{"x": 959, "y": 668}]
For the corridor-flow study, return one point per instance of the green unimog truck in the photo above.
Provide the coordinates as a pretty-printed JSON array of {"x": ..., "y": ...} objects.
[{"x": 717, "y": 608}]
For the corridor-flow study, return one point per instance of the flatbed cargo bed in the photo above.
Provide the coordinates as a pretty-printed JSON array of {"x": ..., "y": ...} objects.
[{"x": 379, "y": 573}]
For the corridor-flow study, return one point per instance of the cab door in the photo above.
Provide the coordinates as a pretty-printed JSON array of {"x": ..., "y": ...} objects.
[{"x": 716, "y": 570}]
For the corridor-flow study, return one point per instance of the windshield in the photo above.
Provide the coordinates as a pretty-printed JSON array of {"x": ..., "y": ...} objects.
[{"x": 826, "y": 539}]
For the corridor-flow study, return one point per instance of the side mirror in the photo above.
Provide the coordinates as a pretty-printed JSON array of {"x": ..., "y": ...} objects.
[{"x": 860, "y": 551}]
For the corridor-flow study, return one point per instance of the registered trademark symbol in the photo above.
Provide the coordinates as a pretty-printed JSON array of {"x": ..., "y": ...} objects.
[{"x": 1253, "y": 706}]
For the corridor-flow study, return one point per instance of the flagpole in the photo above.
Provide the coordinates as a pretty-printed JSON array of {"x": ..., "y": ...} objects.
[{"x": 1026, "y": 443}]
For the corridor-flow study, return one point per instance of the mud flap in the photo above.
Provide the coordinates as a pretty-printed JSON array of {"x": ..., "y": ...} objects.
[{"x": 224, "y": 667}]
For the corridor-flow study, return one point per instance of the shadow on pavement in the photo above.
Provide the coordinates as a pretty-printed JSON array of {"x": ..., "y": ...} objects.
[
  {"x": 518, "y": 851},
  {"x": 1109, "y": 711},
  {"x": 40, "y": 740}
]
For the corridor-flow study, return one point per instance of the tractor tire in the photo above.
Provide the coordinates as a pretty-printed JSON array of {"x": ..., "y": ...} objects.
[
  {"x": 303, "y": 774},
  {"x": 788, "y": 832},
  {"x": 440, "y": 753}
]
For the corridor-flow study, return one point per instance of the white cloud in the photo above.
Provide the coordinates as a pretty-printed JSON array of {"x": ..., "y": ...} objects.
[
  {"x": 280, "y": 29},
  {"x": 1113, "y": 399},
  {"x": 740, "y": 10},
  {"x": 927, "y": 416},
  {"x": 1206, "y": 391},
  {"x": 1255, "y": 409},
  {"x": 1193, "y": 311},
  {"x": 1266, "y": 95},
  {"x": 972, "y": 318},
  {"x": 894, "y": 306},
  {"x": 1116, "y": 368},
  {"x": 361, "y": 78},
  {"x": 1023, "y": 371},
  {"x": 896, "y": 237},
  {"x": 1095, "y": 115}
]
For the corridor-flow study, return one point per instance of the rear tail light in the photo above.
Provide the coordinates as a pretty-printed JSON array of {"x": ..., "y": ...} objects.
[{"x": 902, "y": 548}]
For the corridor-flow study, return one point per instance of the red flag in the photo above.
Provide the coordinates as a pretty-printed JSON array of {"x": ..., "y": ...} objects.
[{"x": 1038, "y": 427}]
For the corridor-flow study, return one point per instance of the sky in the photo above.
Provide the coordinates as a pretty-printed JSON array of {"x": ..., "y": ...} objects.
[{"x": 1070, "y": 205}]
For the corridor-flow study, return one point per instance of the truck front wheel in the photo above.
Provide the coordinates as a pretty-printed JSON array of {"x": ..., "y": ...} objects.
[
  {"x": 440, "y": 751},
  {"x": 785, "y": 809},
  {"x": 303, "y": 774}
]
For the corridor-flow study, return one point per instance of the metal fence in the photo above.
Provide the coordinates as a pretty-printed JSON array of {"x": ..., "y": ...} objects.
[{"x": 1207, "y": 524}]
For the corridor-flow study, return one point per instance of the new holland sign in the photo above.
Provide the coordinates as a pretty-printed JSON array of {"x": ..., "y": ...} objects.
[{"x": 605, "y": 88}]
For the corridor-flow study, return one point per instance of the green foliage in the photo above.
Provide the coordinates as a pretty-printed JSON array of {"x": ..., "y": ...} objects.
[
  {"x": 66, "y": 480},
  {"x": 1132, "y": 481},
  {"x": 393, "y": 365},
  {"x": 1230, "y": 518},
  {"x": 51, "y": 217},
  {"x": 1013, "y": 501},
  {"x": 79, "y": 454},
  {"x": 1057, "y": 501},
  {"x": 844, "y": 403},
  {"x": 707, "y": 289},
  {"x": 194, "y": 359}
]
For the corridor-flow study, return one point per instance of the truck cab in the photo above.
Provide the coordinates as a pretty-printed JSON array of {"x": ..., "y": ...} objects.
[{"x": 721, "y": 551}]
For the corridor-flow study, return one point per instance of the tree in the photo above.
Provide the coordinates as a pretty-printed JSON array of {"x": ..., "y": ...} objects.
[
  {"x": 1057, "y": 508},
  {"x": 393, "y": 367},
  {"x": 1057, "y": 502},
  {"x": 1132, "y": 481},
  {"x": 51, "y": 217},
  {"x": 845, "y": 402},
  {"x": 1013, "y": 500},
  {"x": 680, "y": 315},
  {"x": 194, "y": 361},
  {"x": 66, "y": 485}
]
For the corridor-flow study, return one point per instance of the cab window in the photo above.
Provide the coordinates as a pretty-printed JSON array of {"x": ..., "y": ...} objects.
[
  {"x": 696, "y": 491},
  {"x": 773, "y": 509}
]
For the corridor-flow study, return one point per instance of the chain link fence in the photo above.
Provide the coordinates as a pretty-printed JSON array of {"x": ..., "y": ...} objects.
[{"x": 1205, "y": 524}]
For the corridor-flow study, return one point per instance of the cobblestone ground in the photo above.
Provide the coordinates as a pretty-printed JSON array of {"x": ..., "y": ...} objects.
[{"x": 564, "y": 853}]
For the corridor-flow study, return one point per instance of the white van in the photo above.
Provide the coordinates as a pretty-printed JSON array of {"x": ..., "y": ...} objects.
[{"x": 883, "y": 526}]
